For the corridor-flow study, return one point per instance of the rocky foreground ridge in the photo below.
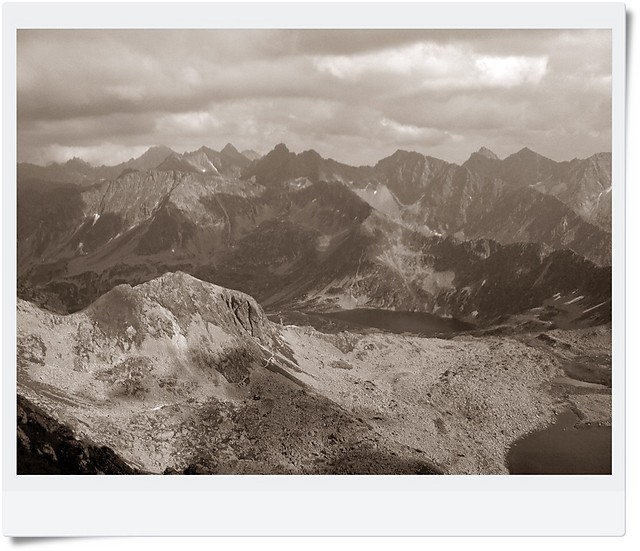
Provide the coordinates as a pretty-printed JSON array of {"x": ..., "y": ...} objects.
[{"x": 179, "y": 375}]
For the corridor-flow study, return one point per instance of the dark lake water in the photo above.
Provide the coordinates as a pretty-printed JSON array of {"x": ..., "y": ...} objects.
[
  {"x": 562, "y": 449},
  {"x": 419, "y": 323}
]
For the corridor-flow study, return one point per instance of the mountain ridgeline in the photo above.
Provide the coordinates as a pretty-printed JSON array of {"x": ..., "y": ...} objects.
[
  {"x": 480, "y": 241},
  {"x": 223, "y": 312}
]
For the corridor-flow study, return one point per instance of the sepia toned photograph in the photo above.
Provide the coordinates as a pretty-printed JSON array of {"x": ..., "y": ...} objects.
[{"x": 314, "y": 252}]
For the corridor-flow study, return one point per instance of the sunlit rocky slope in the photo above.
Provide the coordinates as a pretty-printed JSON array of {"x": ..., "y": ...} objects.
[{"x": 180, "y": 374}]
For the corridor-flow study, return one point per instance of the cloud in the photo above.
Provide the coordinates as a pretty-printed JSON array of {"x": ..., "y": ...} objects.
[
  {"x": 355, "y": 95},
  {"x": 431, "y": 65},
  {"x": 509, "y": 71}
]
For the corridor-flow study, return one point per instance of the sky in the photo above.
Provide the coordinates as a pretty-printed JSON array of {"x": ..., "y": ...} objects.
[{"x": 352, "y": 95}]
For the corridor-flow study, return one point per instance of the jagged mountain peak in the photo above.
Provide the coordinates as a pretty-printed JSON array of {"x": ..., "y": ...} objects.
[
  {"x": 406, "y": 153},
  {"x": 150, "y": 159},
  {"x": 526, "y": 167},
  {"x": 403, "y": 156},
  {"x": 280, "y": 148},
  {"x": 230, "y": 149},
  {"x": 527, "y": 153},
  {"x": 232, "y": 153},
  {"x": 77, "y": 162},
  {"x": 487, "y": 153},
  {"x": 281, "y": 165},
  {"x": 158, "y": 148},
  {"x": 203, "y": 149},
  {"x": 399, "y": 155}
]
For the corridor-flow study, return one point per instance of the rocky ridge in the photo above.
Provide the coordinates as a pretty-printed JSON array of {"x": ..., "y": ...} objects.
[{"x": 181, "y": 375}]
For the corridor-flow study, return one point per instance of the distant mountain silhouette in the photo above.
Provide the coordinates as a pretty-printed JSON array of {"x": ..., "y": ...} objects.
[{"x": 228, "y": 162}]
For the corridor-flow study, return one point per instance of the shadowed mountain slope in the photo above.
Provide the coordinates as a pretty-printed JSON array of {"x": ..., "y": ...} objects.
[
  {"x": 228, "y": 162},
  {"x": 584, "y": 185},
  {"x": 300, "y": 244}
]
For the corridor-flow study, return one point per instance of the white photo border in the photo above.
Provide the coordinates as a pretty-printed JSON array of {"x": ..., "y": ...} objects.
[{"x": 312, "y": 505}]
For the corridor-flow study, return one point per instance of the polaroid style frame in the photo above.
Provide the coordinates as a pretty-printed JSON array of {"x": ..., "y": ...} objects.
[{"x": 576, "y": 505}]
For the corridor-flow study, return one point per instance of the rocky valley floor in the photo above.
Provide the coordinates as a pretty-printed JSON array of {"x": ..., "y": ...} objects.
[{"x": 181, "y": 376}]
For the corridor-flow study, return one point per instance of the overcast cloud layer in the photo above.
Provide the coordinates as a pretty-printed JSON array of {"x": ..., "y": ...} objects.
[{"x": 355, "y": 96}]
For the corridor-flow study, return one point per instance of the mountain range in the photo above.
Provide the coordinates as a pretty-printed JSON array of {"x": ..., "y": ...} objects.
[
  {"x": 584, "y": 185},
  {"x": 185, "y": 312},
  {"x": 294, "y": 229}
]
